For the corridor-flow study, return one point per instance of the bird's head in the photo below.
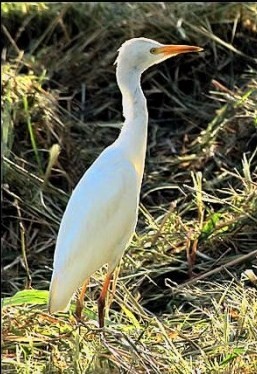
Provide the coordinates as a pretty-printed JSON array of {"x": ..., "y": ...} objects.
[{"x": 141, "y": 53}]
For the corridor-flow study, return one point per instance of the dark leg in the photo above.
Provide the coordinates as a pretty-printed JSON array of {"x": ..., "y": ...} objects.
[
  {"x": 80, "y": 300},
  {"x": 101, "y": 300}
]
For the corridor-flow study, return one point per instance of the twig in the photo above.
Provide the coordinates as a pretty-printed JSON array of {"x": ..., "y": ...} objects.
[
  {"x": 218, "y": 269},
  {"x": 23, "y": 245},
  {"x": 10, "y": 38}
]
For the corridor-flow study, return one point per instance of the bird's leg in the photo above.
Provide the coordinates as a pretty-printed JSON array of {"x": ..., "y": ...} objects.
[
  {"x": 114, "y": 283},
  {"x": 80, "y": 300},
  {"x": 101, "y": 300}
]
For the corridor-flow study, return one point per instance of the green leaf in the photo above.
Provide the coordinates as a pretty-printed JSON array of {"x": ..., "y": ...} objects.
[
  {"x": 37, "y": 297},
  {"x": 210, "y": 225},
  {"x": 26, "y": 297},
  {"x": 230, "y": 357}
]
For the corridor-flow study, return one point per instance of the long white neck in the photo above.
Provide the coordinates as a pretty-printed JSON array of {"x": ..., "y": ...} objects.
[{"x": 133, "y": 136}]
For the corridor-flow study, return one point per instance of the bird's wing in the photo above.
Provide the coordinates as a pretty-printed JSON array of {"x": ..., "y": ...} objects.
[{"x": 100, "y": 217}]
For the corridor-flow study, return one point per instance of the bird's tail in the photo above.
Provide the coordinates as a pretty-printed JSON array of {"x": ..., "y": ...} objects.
[{"x": 59, "y": 295}]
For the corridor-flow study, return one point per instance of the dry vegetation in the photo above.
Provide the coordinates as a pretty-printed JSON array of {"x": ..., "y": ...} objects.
[{"x": 186, "y": 293}]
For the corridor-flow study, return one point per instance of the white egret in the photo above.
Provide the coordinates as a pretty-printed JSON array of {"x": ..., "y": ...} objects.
[{"x": 101, "y": 215}]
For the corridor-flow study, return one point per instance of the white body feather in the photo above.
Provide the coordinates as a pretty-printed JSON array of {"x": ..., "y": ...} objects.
[{"x": 97, "y": 225}]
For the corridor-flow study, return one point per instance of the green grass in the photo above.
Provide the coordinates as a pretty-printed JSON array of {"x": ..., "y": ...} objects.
[{"x": 185, "y": 298}]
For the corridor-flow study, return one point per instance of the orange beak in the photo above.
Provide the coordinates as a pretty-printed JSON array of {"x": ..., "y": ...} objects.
[{"x": 169, "y": 50}]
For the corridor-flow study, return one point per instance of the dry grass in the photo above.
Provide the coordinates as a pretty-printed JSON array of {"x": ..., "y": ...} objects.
[{"x": 186, "y": 293}]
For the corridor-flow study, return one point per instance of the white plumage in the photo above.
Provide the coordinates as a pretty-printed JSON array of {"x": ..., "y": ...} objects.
[
  {"x": 101, "y": 215},
  {"x": 97, "y": 208}
]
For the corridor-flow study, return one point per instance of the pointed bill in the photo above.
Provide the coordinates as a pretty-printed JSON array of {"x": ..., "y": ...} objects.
[{"x": 169, "y": 50}]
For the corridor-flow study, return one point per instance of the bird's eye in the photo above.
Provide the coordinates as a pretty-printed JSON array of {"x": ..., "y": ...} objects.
[{"x": 153, "y": 51}]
